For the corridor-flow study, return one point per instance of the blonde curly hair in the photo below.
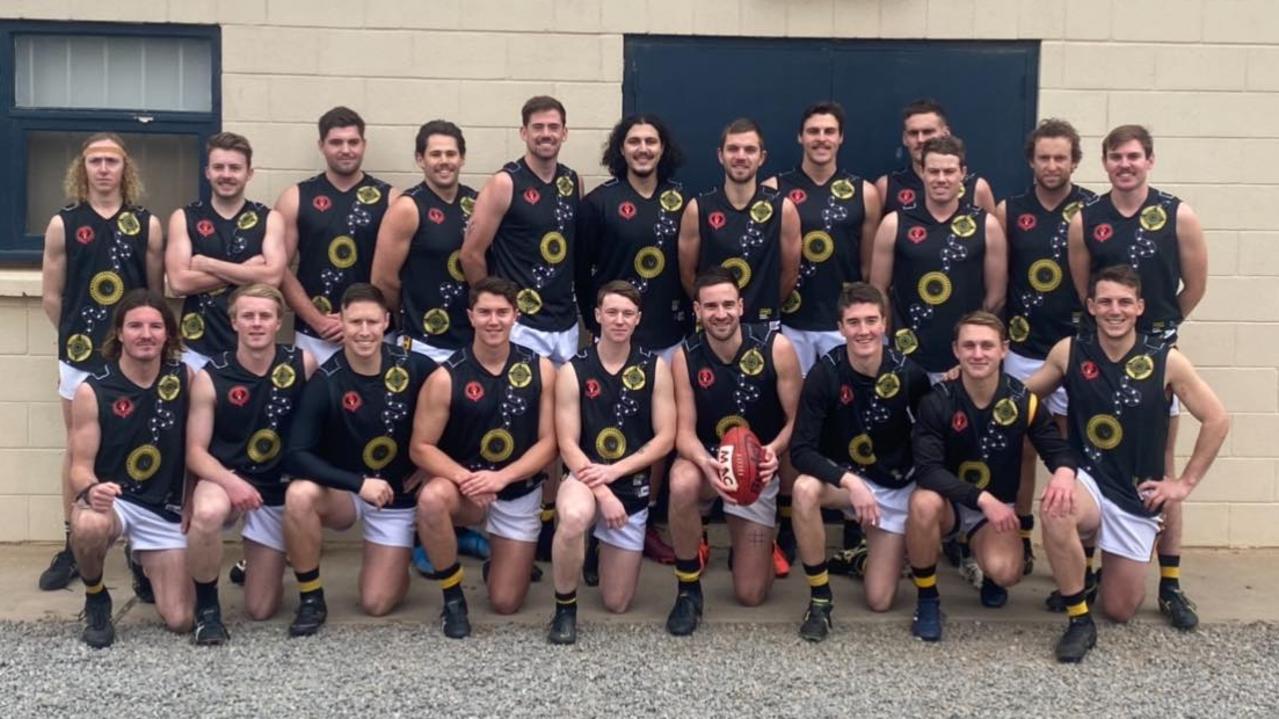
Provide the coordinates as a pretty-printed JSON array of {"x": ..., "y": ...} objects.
[{"x": 76, "y": 182}]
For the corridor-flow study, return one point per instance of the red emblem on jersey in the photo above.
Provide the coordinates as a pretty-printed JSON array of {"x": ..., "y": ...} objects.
[
  {"x": 905, "y": 196},
  {"x": 238, "y": 395},
  {"x": 474, "y": 391},
  {"x": 959, "y": 422},
  {"x": 592, "y": 388},
  {"x": 798, "y": 196},
  {"x": 435, "y": 215},
  {"x": 122, "y": 407},
  {"x": 351, "y": 401},
  {"x": 916, "y": 234},
  {"x": 1089, "y": 370},
  {"x": 845, "y": 394},
  {"x": 204, "y": 227},
  {"x": 705, "y": 378},
  {"x": 531, "y": 196},
  {"x": 84, "y": 235},
  {"x": 626, "y": 210},
  {"x": 322, "y": 203},
  {"x": 1027, "y": 222},
  {"x": 1103, "y": 232},
  {"x": 717, "y": 219}
]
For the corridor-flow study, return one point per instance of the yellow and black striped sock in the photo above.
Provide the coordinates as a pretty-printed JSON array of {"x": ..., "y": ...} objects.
[
  {"x": 784, "y": 514},
  {"x": 1026, "y": 529},
  {"x": 688, "y": 572},
  {"x": 309, "y": 583},
  {"x": 1169, "y": 573},
  {"x": 818, "y": 582},
  {"x": 450, "y": 579},
  {"x": 95, "y": 590},
  {"x": 548, "y": 512},
  {"x": 925, "y": 579},
  {"x": 1076, "y": 606},
  {"x": 566, "y": 602}
]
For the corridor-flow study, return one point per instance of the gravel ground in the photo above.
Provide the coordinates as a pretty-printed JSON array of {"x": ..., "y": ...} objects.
[{"x": 725, "y": 670}]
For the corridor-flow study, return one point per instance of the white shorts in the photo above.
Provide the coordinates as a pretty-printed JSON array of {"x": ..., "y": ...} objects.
[
  {"x": 69, "y": 378},
  {"x": 628, "y": 537},
  {"x": 388, "y": 526},
  {"x": 762, "y": 511},
  {"x": 320, "y": 349},
  {"x": 147, "y": 531},
  {"x": 1121, "y": 533},
  {"x": 195, "y": 360},
  {"x": 518, "y": 519},
  {"x": 968, "y": 521},
  {"x": 265, "y": 525},
  {"x": 894, "y": 506},
  {"x": 439, "y": 354},
  {"x": 810, "y": 345},
  {"x": 558, "y": 347},
  {"x": 936, "y": 377},
  {"x": 1021, "y": 367}
]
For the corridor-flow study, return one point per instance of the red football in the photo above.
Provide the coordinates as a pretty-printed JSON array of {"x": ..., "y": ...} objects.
[{"x": 740, "y": 454}]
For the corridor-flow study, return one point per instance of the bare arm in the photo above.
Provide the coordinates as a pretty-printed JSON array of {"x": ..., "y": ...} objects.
[
  {"x": 53, "y": 270},
  {"x": 490, "y": 206},
  {"x": 309, "y": 365},
  {"x": 1001, "y": 214},
  {"x": 686, "y": 441},
  {"x": 1203, "y": 405},
  {"x": 183, "y": 280},
  {"x": 871, "y": 201},
  {"x": 429, "y": 420},
  {"x": 568, "y": 420},
  {"x": 200, "y": 417},
  {"x": 542, "y": 452},
  {"x": 881, "y": 186},
  {"x": 789, "y": 383},
  {"x": 1193, "y": 252},
  {"x": 293, "y": 291},
  {"x": 985, "y": 196},
  {"x": 1080, "y": 258},
  {"x": 663, "y": 425},
  {"x": 155, "y": 255},
  {"x": 690, "y": 247},
  {"x": 1052, "y": 372},
  {"x": 881, "y": 262},
  {"x": 995, "y": 266},
  {"x": 267, "y": 268},
  {"x": 86, "y": 436},
  {"x": 393, "y": 239},
  {"x": 790, "y": 248}
]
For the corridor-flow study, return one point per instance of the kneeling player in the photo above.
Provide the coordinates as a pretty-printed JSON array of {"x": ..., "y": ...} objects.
[
  {"x": 852, "y": 445},
  {"x": 348, "y": 440},
  {"x": 484, "y": 431},
  {"x": 968, "y": 442},
  {"x": 727, "y": 375},
  {"x": 242, "y": 406},
  {"x": 127, "y": 467},
  {"x": 614, "y": 418}
]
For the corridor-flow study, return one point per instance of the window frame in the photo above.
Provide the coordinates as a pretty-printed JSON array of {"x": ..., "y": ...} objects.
[{"x": 17, "y": 248}]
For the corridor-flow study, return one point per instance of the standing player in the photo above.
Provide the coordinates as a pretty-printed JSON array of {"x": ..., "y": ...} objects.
[
  {"x": 242, "y": 406},
  {"x": 968, "y": 445},
  {"x": 1121, "y": 383},
  {"x": 127, "y": 467},
  {"x": 924, "y": 120},
  {"x": 747, "y": 228},
  {"x": 1159, "y": 236},
  {"x": 614, "y": 419},
  {"x": 852, "y": 445},
  {"x": 348, "y": 441},
  {"x": 728, "y": 375},
  {"x": 96, "y": 249},
  {"x": 218, "y": 245},
  {"x": 331, "y": 225},
  {"x": 484, "y": 432}
]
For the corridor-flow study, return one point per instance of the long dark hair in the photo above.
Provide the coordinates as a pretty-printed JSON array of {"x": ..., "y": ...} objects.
[
  {"x": 132, "y": 300},
  {"x": 615, "y": 161}
]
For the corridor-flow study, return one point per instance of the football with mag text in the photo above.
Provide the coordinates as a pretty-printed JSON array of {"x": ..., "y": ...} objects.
[{"x": 740, "y": 454}]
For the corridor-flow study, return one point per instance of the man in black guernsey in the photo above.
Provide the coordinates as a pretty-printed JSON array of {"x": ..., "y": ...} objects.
[
  {"x": 330, "y": 226},
  {"x": 852, "y": 449},
  {"x": 614, "y": 418},
  {"x": 218, "y": 245},
  {"x": 96, "y": 249},
  {"x": 1160, "y": 237},
  {"x": 727, "y": 375},
  {"x": 347, "y": 454},
  {"x": 418, "y": 263},
  {"x": 242, "y": 407},
  {"x": 968, "y": 441},
  {"x": 127, "y": 466},
  {"x": 484, "y": 433},
  {"x": 923, "y": 120},
  {"x": 1121, "y": 382},
  {"x": 747, "y": 228},
  {"x": 1042, "y": 306},
  {"x": 938, "y": 261}
]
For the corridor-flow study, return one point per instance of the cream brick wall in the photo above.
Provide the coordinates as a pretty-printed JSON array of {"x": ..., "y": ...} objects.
[{"x": 1203, "y": 74}]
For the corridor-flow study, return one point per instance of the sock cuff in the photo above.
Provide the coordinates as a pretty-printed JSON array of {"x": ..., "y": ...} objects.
[{"x": 450, "y": 577}]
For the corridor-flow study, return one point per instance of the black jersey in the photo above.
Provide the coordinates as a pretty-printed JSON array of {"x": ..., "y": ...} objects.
[
  {"x": 493, "y": 418},
  {"x": 1043, "y": 306},
  {"x": 142, "y": 445},
  {"x": 1146, "y": 241},
  {"x": 962, "y": 449},
  {"x": 433, "y": 289},
  {"x": 253, "y": 415},
  {"x": 748, "y": 243},
  {"x": 106, "y": 257},
  {"x": 616, "y": 412},
  {"x": 534, "y": 245},
  {"x": 742, "y": 391},
  {"x": 624, "y": 236},
  {"x": 849, "y": 421},
  {"x": 830, "y": 217},
  {"x": 337, "y": 232},
  {"x": 1118, "y": 415},
  {"x": 206, "y": 324},
  {"x": 905, "y": 190},
  {"x": 350, "y": 426},
  {"x": 938, "y": 277}
]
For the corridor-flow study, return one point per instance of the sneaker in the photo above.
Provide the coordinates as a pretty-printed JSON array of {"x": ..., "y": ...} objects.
[
  {"x": 141, "y": 584},
  {"x": 926, "y": 624},
  {"x": 591, "y": 566},
  {"x": 1054, "y": 603},
  {"x": 781, "y": 565},
  {"x": 209, "y": 629},
  {"x": 473, "y": 544},
  {"x": 563, "y": 628},
  {"x": 237, "y": 573},
  {"x": 98, "y": 631},
  {"x": 1180, "y": 611},
  {"x": 61, "y": 570},
  {"x": 786, "y": 541},
  {"x": 1079, "y": 637},
  {"x": 816, "y": 621},
  {"x": 545, "y": 538},
  {"x": 310, "y": 617},
  {"x": 993, "y": 596},
  {"x": 1028, "y": 558},
  {"x": 454, "y": 620},
  {"x": 850, "y": 562},
  {"x": 685, "y": 615},
  {"x": 422, "y": 563},
  {"x": 971, "y": 573},
  {"x": 656, "y": 548}
]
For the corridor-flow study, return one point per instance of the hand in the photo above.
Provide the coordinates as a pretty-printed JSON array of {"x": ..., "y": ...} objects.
[
  {"x": 950, "y": 374},
  {"x": 999, "y": 515},
  {"x": 767, "y": 464},
  {"x": 255, "y": 260},
  {"x": 1058, "y": 499},
  {"x": 242, "y": 494},
  {"x": 865, "y": 507},
  {"x": 611, "y": 507},
  {"x": 102, "y": 496},
  {"x": 330, "y": 328},
  {"x": 597, "y": 475},
  {"x": 483, "y": 500},
  {"x": 482, "y": 482},
  {"x": 376, "y": 492},
  {"x": 1156, "y": 494},
  {"x": 713, "y": 472}
]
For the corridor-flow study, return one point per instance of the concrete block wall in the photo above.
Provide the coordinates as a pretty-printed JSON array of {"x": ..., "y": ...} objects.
[{"x": 1203, "y": 74}]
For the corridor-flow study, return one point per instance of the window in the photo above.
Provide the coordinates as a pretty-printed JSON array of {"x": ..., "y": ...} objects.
[{"x": 157, "y": 86}]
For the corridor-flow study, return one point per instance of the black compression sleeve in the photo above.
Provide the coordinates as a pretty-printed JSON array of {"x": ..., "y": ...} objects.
[
  {"x": 302, "y": 458},
  {"x": 805, "y": 449},
  {"x": 929, "y": 444}
]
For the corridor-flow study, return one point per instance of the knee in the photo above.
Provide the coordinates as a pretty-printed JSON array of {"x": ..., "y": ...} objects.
[
  {"x": 260, "y": 611},
  {"x": 434, "y": 502},
  {"x": 685, "y": 484},
  {"x": 750, "y": 594},
  {"x": 90, "y": 527},
  {"x": 302, "y": 497},
  {"x": 806, "y": 495},
  {"x": 880, "y": 601},
  {"x": 377, "y": 604},
  {"x": 1119, "y": 608},
  {"x": 177, "y": 619},
  {"x": 573, "y": 519},
  {"x": 617, "y": 603},
  {"x": 504, "y": 603},
  {"x": 1004, "y": 572},
  {"x": 208, "y": 517},
  {"x": 1058, "y": 527},
  {"x": 925, "y": 505}
]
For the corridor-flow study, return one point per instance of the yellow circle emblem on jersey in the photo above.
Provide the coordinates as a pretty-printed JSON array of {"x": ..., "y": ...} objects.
[
  {"x": 322, "y": 304},
  {"x": 497, "y": 445},
  {"x": 888, "y": 385},
  {"x": 862, "y": 450},
  {"x": 519, "y": 375},
  {"x": 792, "y": 303},
  {"x": 1044, "y": 275},
  {"x": 1153, "y": 218},
  {"x": 1104, "y": 431},
  {"x": 106, "y": 288},
  {"x": 633, "y": 378},
  {"x": 818, "y": 246},
  {"x": 435, "y": 321},
  {"x": 649, "y": 262},
  {"x": 1018, "y": 328},
  {"x": 554, "y": 247},
  {"x": 934, "y": 288},
  {"x": 741, "y": 270},
  {"x": 528, "y": 301},
  {"x": 368, "y": 195},
  {"x": 343, "y": 252},
  {"x": 454, "y": 265},
  {"x": 468, "y": 205},
  {"x": 247, "y": 220},
  {"x": 671, "y": 200},
  {"x": 128, "y": 223},
  {"x": 192, "y": 326},
  {"x": 565, "y": 186},
  {"x": 964, "y": 225},
  {"x": 905, "y": 341},
  {"x": 379, "y": 452},
  {"x": 283, "y": 376},
  {"x": 610, "y": 444},
  {"x": 396, "y": 379},
  {"x": 751, "y": 363},
  {"x": 842, "y": 189},
  {"x": 1068, "y": 212},
  {"x": 761, "y": 211},
  {"x": 1005, "y": 412},
  {"x": 143, "y": 462},
  {"x": 79, "y": 347},
  {"x": 975, "y": 473},
  {"x": 1139, "y": 367},
  {"x": 729, "y": 422},
  {"x": 169, "y": 387},
  {"x": 263, "y": 446}
]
